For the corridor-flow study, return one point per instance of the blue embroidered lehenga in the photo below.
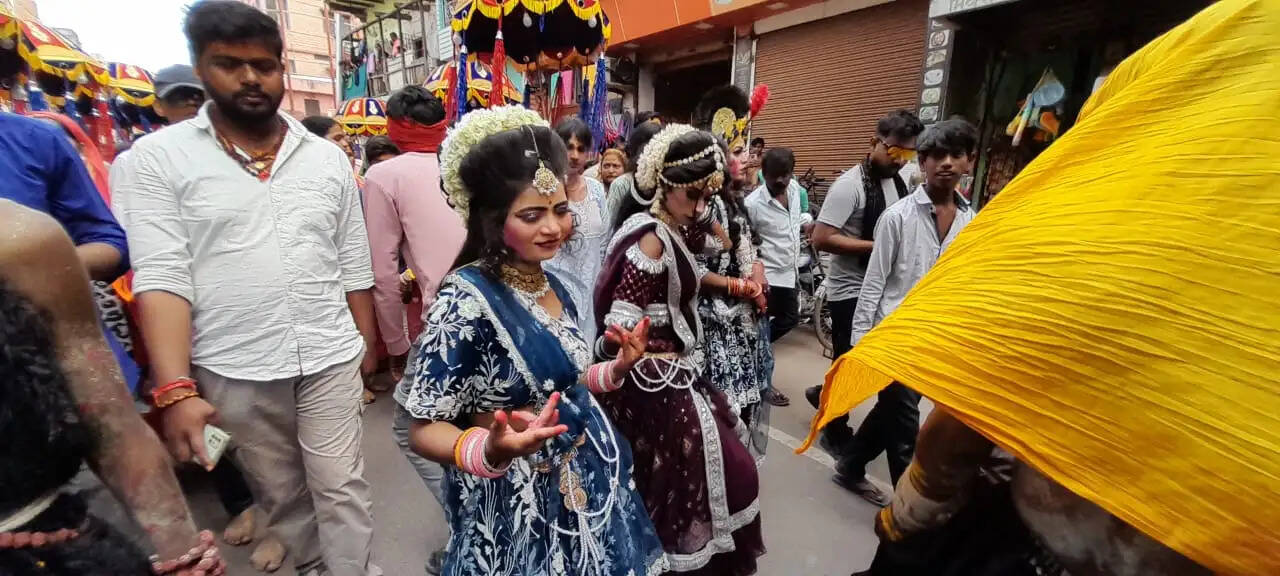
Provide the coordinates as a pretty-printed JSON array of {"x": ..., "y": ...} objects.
[
  {"x": 486, "y": 348},
  {"x": 738, "y": 357}
]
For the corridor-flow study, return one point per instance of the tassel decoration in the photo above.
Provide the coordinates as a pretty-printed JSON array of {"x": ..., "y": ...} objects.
[
  {"x": 600, "y": 104},
  {"x": 451, "y": 83},
  {"x": 584, "y": 101},
  {"x": 498, "y": 66},
  {"x": 35, "y": 99},
  {"x": 460, "y": 104}
]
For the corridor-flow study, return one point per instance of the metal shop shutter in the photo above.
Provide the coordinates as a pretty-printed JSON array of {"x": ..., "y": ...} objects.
[{"x": 833, "y": 78}]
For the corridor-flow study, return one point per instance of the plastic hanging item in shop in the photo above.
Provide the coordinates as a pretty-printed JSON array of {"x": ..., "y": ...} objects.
[
  {"x": 1049, "y": 91},
  {"x": 1111, "y": 318}
]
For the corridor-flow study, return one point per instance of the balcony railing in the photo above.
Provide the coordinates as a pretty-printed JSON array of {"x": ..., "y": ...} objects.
[{"x": 398, "y": 48}]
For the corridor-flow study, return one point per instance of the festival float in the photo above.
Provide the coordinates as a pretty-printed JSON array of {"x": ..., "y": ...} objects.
[
  {"x": 558, "y": 45},
  {"x": 52, "y": 74}
]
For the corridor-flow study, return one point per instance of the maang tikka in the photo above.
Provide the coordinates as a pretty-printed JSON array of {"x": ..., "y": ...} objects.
[{"x": 544, "y": 180}]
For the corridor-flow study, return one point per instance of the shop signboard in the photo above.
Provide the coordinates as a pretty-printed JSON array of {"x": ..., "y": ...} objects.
[{"x": 944, "y": 8}]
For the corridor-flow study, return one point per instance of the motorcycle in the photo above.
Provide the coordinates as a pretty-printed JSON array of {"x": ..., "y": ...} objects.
[{"x": 812, "y": 291}]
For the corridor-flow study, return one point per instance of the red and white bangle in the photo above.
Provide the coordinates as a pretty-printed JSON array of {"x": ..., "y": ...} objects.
[
  {"x": 204, "y": 558},
  {"x": 600, "y": 377},
  {"x": 469, "y": 456}
]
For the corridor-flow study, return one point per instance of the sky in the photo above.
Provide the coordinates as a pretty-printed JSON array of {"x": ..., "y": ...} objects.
[{"x": 146, "y": 33}]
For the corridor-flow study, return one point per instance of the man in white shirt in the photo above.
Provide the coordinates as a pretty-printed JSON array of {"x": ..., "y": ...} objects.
[
  {"x": 845, "y": 229},
  {"x": 775, "y": 213},
  {"x": 253, "y": 278},
  {"x": 909, "y": 238}
]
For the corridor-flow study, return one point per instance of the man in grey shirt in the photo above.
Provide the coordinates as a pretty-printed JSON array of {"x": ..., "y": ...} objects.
[
  {"x": 846, "y": 226},
  {"x": 910, "y": 237}
]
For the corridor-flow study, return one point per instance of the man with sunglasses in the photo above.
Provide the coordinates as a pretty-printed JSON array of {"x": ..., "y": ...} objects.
[
  {"x": 846, "y": 229},
  {"x": 179, "y": 93},
  {"x": 179, "y": 96}
]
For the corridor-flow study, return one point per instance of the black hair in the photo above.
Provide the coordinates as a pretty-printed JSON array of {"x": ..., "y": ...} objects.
[
  {"x": 571, "y": 127},
  {"x": 900, "y": 124},
  {"x": 45, "y": 443},
  {"x": 956, "y": 136},
  {"x": 646, "y": 116},
  {"x": 757, "y": 141},
  {"x": 210, "y": 21},
  {"x": 683, "y": 147},
  {"x": 417, "y": 104},
  {"x": 639, "y": 138},
  {"x": 380, "y": 145},
  {"x": 777, "y": 161},
  {"x": 319, "y": 125},
  {"x": 496, "y": 171},
  {"x": 730, "y": 97}
]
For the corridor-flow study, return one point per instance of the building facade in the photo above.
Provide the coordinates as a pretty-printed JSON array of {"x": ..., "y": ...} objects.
[
  {"x": 385, "y": 45},
  {"x": 833, "y": 67},
  {"x": 309, "y": 55}
]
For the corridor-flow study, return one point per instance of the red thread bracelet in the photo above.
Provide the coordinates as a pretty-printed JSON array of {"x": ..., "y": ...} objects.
[{"x": 183, "y": 382}]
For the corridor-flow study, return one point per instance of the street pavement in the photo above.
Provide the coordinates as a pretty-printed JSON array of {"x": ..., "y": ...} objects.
[{"x": 811, "y": 526}]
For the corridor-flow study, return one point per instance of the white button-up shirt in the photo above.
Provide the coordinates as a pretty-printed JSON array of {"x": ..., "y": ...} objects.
[
  {"x": 265, "y": 265},
  {"x": 778, "y": 227},
  {"x": 907, "y": 246}
]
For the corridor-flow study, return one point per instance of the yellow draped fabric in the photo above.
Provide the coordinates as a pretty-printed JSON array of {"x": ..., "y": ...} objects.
[{"x": 1113, "y": 317}]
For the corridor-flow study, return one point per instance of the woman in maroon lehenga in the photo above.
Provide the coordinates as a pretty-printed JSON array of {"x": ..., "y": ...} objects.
[{"x": 698, "y": 481}]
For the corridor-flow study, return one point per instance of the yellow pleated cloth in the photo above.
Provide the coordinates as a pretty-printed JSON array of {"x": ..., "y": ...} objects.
[{"x": 1113, "y": 317}]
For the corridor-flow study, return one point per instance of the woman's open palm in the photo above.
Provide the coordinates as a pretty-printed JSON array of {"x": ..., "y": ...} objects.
[
  {"x": 522, "y": 433},
  {"x": 631, "y": 343}
]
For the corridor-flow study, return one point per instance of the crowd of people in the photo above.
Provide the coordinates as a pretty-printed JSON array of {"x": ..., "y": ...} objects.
[{"x": 580, "y": 342}]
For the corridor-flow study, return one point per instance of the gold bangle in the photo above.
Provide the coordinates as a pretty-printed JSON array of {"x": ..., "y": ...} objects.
[{"x": 177, "y": 399}]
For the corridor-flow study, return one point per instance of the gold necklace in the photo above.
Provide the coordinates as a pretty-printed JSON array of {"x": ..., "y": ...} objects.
[{"x": 532, "y": 284}]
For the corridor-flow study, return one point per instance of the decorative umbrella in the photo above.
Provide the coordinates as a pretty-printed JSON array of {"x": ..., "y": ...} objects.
[
  {"x": 479, "y": 84},
  {"x": 48, "y": 52},
  {"x": 132, "y": 84},
  {"x": 363, "y": 116},
  {"x": 539, "y": 34}
]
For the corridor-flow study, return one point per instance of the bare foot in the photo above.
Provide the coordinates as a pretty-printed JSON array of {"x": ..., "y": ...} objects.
[
  {"x": 269, "y": 555},
  {"x": 240, "y": 530},
  {"x": 369, "y": 396}
]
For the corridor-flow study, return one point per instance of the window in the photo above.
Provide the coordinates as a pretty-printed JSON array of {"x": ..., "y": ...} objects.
[
  {"x": 312, "y": 106},
  {"x": 320, "y": 57},
  {"x": 278, "y": 10},
  {"x": 293, "y": 66},
  {"x": 419, "y": 48}
]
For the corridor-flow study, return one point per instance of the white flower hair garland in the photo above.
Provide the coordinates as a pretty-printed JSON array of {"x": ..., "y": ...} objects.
[
  {"x": 469, "y": 131},
  {"x": 649, "y": 167}
]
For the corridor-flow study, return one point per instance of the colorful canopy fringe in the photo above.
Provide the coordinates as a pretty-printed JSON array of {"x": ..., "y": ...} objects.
[
  {"x": 539, "y": 34},
  {"x": 363, "y": 116},
  {"x": 1113, "y": 317},
  {"x": 133, "y": 84},
  {"x": 479, "y": 84},
  {"x": 47, "y": 51}
]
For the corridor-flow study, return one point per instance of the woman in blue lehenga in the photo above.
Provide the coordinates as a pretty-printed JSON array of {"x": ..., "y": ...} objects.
[{"x": 544, "y": 494}]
